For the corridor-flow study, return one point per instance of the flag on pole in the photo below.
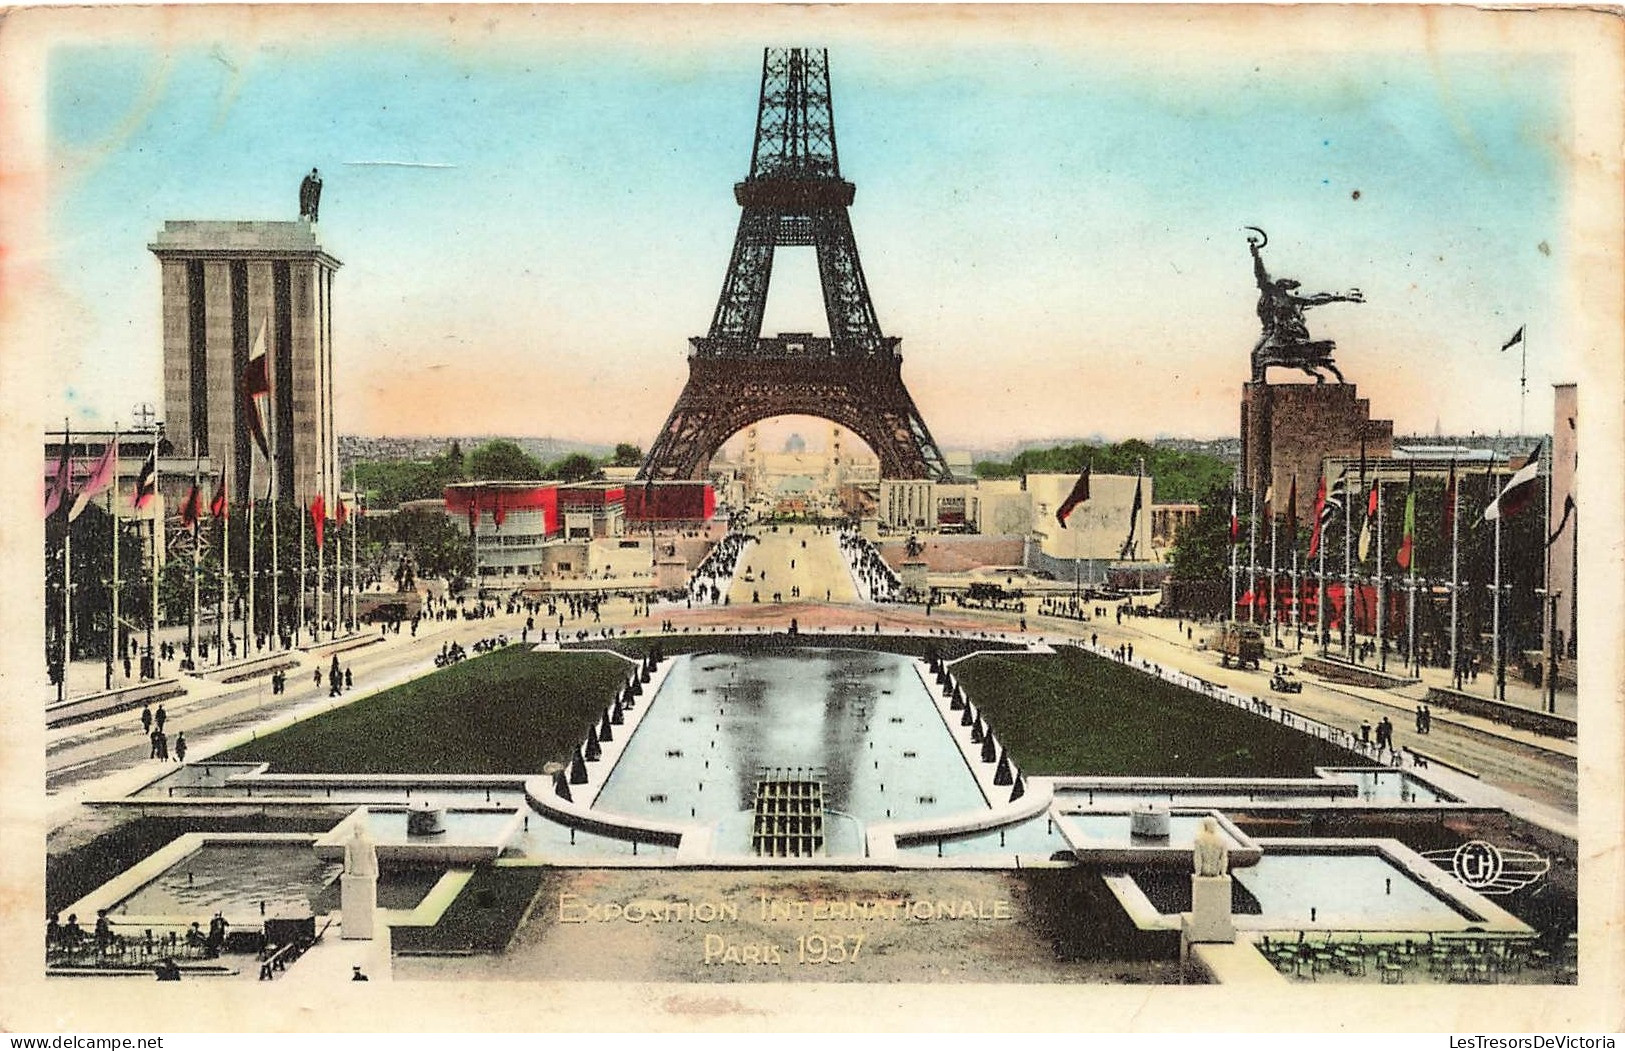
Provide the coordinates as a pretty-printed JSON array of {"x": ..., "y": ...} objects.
[
  {"x": 341, "y": 513},
  {"x": 1370, "y": 516},
  {"x": 56, "y": 489},
  {"x": 1235, "y": 521},
  {"x": 146, "y": 481},
  {"x": 1269, "y": 502},
  {"x": 498, "y": 512},
  {"x": 1320, "y": 518},
  {"x": 1407, "y": 542},
  {"x": 1568, "y": 509},
  {"x": 1079, "y": 493},
  {"x": 255, "y": 382},
  {"x": 1517, "y": 337},
  {"x": 192, "y": 507},
  {"x": 474, "y": 509},
  {"x": 1133, "y": 517},
  {"x": 318, "y": 517},
  {"x": 1519, "y": 491},
  {"x": 102, "y": 475},
  {"x": 1292, "y": 511},
  {"x": 218, "y": 507},
  {"x": 1449, "y": 519}
]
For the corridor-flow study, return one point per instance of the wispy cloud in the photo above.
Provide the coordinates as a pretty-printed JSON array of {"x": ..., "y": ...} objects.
[{"x": 398, "y": 164}]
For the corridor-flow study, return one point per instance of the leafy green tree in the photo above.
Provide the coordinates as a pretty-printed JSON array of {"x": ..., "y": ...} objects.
[
  {"x": 1180, "y": 476},
  {"x": 501, "y": 460},
  {"x": 627, "y": 455},
  {"x": 1202, "y": 549},
  {"x": 577, "y": 467},
  {"x": 437, "y": 546}
]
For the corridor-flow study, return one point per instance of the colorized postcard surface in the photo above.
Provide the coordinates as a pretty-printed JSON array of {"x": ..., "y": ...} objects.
[{"x": 1010, "y": 517}]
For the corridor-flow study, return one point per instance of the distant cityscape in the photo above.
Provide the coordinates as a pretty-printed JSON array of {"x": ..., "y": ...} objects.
[{"x": 367, "y": 447}]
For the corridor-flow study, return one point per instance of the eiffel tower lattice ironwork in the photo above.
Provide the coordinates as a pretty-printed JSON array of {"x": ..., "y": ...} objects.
[{"x": 794, "y": 196}]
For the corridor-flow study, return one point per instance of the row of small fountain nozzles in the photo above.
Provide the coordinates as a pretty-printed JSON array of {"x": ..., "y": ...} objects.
[
  {"x": 980, "y": 733},
  {"x": 592, "y": 750}
]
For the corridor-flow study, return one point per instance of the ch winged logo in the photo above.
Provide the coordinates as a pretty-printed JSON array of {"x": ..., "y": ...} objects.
[{"x": 1489, "y": 869}]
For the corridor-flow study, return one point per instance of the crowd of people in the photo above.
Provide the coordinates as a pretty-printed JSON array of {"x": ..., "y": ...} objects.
[
  {"x": 871, "y": 572},
  {"x": 710, "y": 579}
]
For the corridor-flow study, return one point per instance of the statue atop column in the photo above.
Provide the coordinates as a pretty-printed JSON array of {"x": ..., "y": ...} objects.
[
  {"x": 1211, "y": 856},
  {"x": 310, "y": 195},
  {"x": 360, "y": 854},
  {"x": 1285, "y": 339}
]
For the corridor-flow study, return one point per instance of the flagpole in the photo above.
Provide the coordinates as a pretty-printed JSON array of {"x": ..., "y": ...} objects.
[
  {"x": 1320, "y": 580},
  {"x": 321, "y": 576},
  {"x": 304, "y": 580},
  {"x": 276, "y": 568},
  {"x": 1297, "y": 594},
  {"x": 356, "y": 499},
  {"x": 1235, "y": 542},
  {"x": 1382, "y": 629},
  {"x": 113, "y": 521},
  {"x": 157, "y": 540},
  {"x": 1550, "y": 602},
  {"x": 250, "y": 615},
  {"x": 1410, "y": 599},
  {"x": 1275, "y": 626},
  {"x": 1252, "y": 555},
  {"x": 222, "y": 623},
  {"x": 67, "y": 566},
  {"x": 192, "y": 628},
  {"x": 1455, "y": 582},
  {"x": 1348, "y": 564},
  {"x": 1495, "y": 621}
]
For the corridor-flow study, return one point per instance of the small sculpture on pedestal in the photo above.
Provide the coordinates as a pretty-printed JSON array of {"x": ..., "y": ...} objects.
[
  {"x": 1211, "y": 856},
  {"x": 1210, "y": 917},
  {"x": 358, "y": 886}
]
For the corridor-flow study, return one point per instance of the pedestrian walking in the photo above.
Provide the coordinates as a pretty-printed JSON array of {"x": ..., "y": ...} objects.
[
  {"x": 317, "y": 678},
  {"x": 158, "y": 719},
  {"x": 146, "y": 719},
  {"x": 180, "y": 747},
  {"x": 348, "y": 680}
]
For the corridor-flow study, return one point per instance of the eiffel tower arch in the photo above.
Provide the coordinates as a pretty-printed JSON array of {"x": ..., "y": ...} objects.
[{"x": 794, "y": 196}]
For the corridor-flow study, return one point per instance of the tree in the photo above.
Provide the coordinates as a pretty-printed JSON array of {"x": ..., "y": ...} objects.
[
  {"x": 501, "y": 460},
  {"x": 627, "y": 455},
  {"x": 1180, "y": 476},
  {"x": 577, "y": 467},
  {"x": 438, "y": 547},
  {"x": 1202, "y": 549}
]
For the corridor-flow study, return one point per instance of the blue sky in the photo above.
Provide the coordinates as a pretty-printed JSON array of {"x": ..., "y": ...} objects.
[{"x": 1053, "y": 230}]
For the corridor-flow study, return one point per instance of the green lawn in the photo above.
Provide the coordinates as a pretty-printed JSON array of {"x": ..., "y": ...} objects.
[
  {"x": 483, "y": 917},
  {"x": 508, "y": 712},
  {"x": 1074, "y": 713}
]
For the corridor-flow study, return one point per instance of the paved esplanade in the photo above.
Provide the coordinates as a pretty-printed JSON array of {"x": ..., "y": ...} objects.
[
  {"x": 89, "y": 759},
  {"x": 818, "y": 568}
]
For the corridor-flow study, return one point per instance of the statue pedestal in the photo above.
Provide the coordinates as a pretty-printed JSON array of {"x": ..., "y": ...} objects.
[
  {"x": 1209, "y": 919},
  {"x": 912, "y": 574},
  {"x": 671, "y": 574},
  {"x": 358, "y": 901}
]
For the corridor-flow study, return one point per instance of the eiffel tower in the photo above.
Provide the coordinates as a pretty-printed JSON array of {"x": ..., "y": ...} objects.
[{"x": 794, "y": 195}]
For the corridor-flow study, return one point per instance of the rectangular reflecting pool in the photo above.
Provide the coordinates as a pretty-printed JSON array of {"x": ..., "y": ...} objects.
[
  {"x": 1357, "y": 891},
  {"x": 235, "y": 879},
  {"x": 859, "y": 722}
]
